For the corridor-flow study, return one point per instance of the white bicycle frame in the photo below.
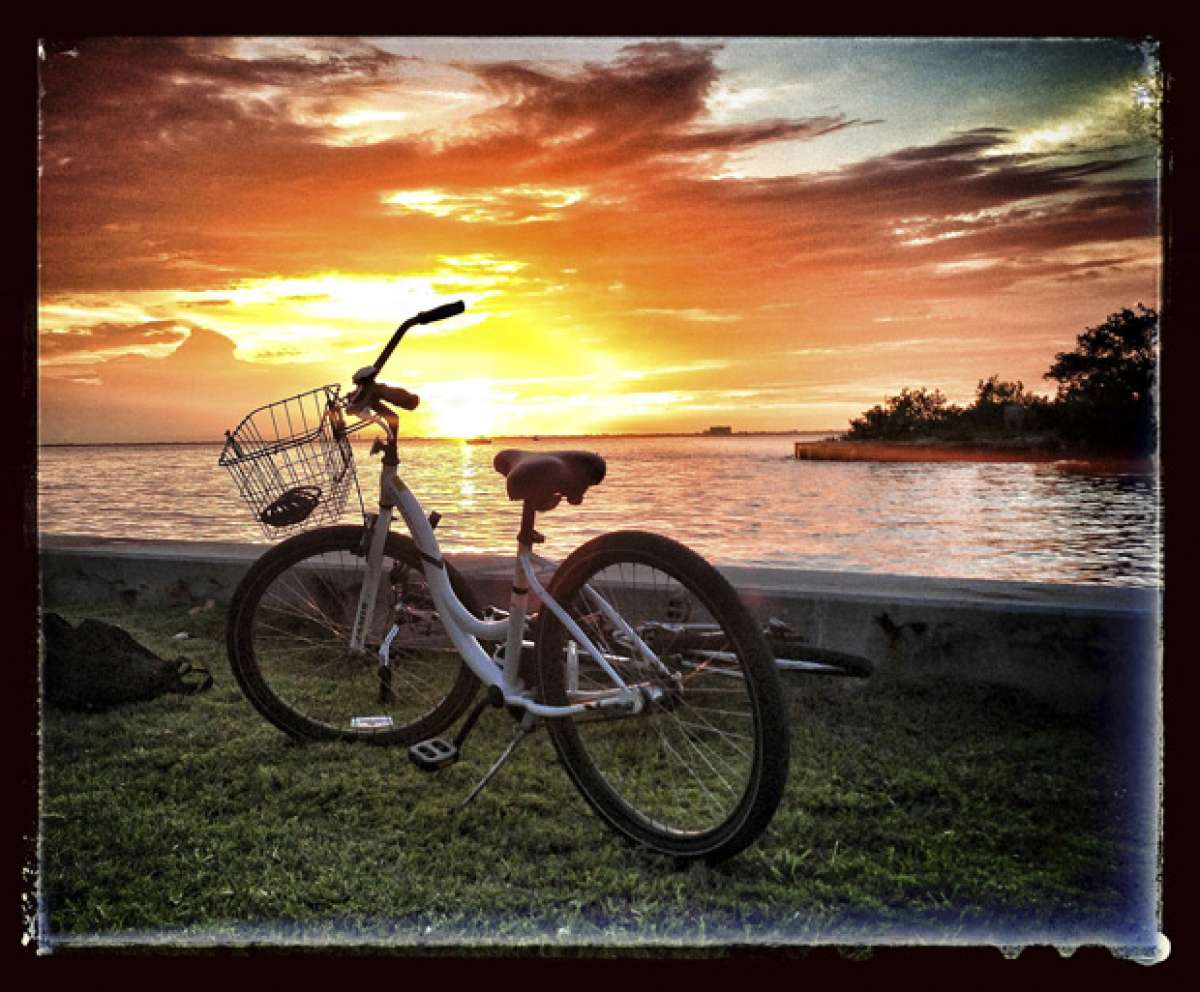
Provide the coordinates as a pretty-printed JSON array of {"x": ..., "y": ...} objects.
[{"x": 466, "y": 630}]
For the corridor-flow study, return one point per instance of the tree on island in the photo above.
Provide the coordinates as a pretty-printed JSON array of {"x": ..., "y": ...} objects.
[
  {"x": 1007, "y": 406},
  {"x": 1105, "y": 397},
  {"x": 994, "y": 393},
  {"x": 1106, "y": 385},
  {"x": 911, "y": 413}
]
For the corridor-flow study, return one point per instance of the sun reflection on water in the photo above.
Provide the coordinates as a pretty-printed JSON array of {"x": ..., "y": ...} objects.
[{"x": 735, "y": 500}]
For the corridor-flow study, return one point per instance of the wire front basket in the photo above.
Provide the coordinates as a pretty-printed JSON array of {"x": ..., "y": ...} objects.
[{"x": 292, "y": 461}]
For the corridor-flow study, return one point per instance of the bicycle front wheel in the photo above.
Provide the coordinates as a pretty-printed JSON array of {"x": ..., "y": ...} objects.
[
  {"x": 700, "y": 771},
  {"x": 289, "y": 642}
]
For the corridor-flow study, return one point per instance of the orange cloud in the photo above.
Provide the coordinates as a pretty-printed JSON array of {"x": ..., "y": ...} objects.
[{"x": 83, "y": 343}]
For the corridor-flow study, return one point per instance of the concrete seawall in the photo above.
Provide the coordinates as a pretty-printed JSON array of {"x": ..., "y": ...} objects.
[{"x": 1077, "y": 647}]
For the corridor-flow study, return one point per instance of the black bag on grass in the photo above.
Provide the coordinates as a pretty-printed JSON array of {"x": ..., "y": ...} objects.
[{"x": 96, "y": 666}]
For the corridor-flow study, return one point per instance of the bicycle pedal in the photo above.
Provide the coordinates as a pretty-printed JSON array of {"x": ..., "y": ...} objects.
[{"x": 433, "y": 755}]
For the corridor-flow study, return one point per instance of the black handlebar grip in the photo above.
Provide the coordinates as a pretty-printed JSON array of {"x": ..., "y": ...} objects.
[
  {"x": 428, "y": 317},
  {"x": 394, "y": 394},
  {"x": 442, "y": 312}
]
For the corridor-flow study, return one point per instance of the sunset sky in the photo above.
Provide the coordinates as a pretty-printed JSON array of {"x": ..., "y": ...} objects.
[{"x": 649, "y": 234}]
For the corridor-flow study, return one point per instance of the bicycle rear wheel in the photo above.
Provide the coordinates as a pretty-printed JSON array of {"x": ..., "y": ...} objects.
[
  {"x": 700, "y": 771},
  {"x": 288, "y": 638}
]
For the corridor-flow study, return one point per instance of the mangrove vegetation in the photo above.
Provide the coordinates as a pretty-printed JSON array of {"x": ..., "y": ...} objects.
[{"x": 1104, "y": 400}]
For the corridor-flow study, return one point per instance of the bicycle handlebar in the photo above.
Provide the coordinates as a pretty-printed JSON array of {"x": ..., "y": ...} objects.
[
  {"x": 367, "y": 389},
  {"x": 394, "y": 394},
  {"x": 441, "y": 313},
  {"x": 425, "y": 317}
]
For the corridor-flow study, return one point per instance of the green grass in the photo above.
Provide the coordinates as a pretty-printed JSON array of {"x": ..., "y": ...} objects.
[{"x": 937, "y": 812}]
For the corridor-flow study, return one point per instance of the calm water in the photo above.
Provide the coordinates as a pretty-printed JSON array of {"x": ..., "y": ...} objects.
[{"x": 743, "y": 500}]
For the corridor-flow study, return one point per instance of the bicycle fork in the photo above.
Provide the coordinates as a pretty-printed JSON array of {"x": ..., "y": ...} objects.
[
  {"x": 375, "y": 537},
  {"x": 370, "y": 587}
]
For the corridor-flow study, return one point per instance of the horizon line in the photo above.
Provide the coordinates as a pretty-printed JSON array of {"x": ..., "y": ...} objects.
[{"x": 490, "y": 437}]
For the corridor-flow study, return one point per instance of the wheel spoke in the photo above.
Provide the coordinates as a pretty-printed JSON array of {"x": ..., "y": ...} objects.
[
  {"x": 291, "y": 649},
  {"x": 681, "y": 774}
]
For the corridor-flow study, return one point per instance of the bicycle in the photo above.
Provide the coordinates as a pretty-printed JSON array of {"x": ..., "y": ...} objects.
[{"x": 658, "y": 689}]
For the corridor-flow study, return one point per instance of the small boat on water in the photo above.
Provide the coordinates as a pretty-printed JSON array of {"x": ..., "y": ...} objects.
[{"x": 479, "y": 440}]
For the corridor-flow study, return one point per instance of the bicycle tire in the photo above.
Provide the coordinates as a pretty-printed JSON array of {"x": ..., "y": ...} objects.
[
  {"x": 288, "y": 630},
  {"x": 642, "y": 773}
]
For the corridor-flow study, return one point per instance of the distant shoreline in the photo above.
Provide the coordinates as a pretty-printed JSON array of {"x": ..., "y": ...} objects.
[
  {"x": 927, "y": 450},
  {"x": 494, "y": 437}
]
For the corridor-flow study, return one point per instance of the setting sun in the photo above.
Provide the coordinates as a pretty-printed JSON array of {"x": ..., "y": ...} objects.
[{"x": 462, "y": 409}]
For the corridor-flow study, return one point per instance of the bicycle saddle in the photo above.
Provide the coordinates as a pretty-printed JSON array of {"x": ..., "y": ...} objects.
[{"x": 544, "y": 477}]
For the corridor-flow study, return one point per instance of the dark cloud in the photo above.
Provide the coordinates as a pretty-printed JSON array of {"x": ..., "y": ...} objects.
[
  {"x": 166, "y": 163},
  {"x": 966, "y": 144},
  {"x": 163, "y": 80},
  {"x": 644, "y": 106},
  {"x": 657, "y": 88},
  {"x": 164, "y": 160},
  {"x": 111, "y": 336},
  {"x": 1008, "y": 206}
]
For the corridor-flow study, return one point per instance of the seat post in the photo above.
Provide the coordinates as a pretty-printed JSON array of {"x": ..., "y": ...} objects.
[
  {"x": 527, "y": 536},
  {"x": 519, "y": 601}
]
